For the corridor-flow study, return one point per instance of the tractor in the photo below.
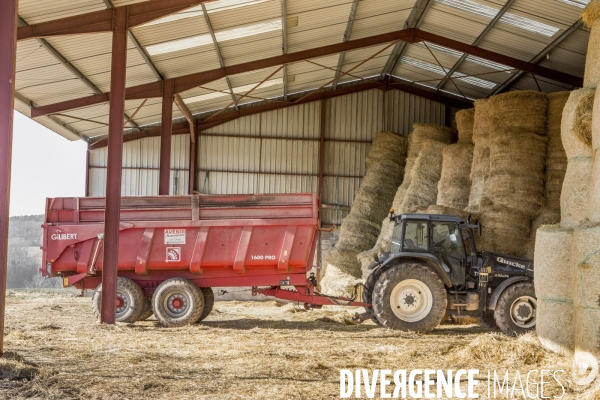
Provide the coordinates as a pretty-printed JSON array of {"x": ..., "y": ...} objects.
[{"x": 434, "y": 269}]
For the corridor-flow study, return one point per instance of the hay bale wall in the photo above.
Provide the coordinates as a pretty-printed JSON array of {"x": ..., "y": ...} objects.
[
  {"x": 514, "y": 191},
  {"x": 554, "y": 299},
  {"x": 591, "y": 17},
  {"x": 465, "y": 121},
  {"x": 480, "y": 167},
  {"x": 421, "y": 134},
  {"x": 360, "y": 229}
]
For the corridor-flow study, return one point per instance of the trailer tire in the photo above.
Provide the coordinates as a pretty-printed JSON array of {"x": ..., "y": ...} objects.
[
  {"x": 209, "y": 302},
  {"x": 177, "y": 302},
  {"x": 130, "y": 298},
  {"x": 147, "y": 313},
  {"x": 410, "y": 297},
  {"x": 516, "y": 309}
]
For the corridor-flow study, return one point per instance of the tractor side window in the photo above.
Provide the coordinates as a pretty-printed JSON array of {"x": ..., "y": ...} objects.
[
  {"x": 416, "y": 236},
  {"x": 396, "y": 239}
]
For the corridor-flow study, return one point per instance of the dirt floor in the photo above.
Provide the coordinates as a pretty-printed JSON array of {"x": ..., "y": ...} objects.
[{"x": 55, "y": 349}]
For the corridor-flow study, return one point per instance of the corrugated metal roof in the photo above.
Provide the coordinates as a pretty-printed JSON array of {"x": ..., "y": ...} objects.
[{"x": 248, "y": 30}]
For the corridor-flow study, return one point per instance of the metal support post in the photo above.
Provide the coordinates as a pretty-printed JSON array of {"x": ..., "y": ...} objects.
[
  {"x": 112, "y": 218},
  {"x": 193, "y": 156},
  {"x": 8, "y": 49},
  {"x": 165, "y": 139}
]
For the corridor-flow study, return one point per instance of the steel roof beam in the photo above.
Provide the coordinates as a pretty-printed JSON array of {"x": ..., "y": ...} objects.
[
  {"x": 103, "y": 21},
  {"x": 540, "y": 56},
  {"x": 347, "y": 35},
  {"x": 218, "y": 50},
  {"x": 139, "y": 47},
  {"x": 284, "y": 46},
  {"x": 414, "y": 20},
  {"x": 186, "y": 82},
  {"x": 477, "y": 41},
  {"x": 203, "y": 123},
  {"x": 67, "y": 64}
]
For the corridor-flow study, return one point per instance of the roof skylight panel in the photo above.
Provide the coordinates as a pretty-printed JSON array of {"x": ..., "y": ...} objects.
[
  {"x": 490, "y": 64},
  {"x": 440, "y": 71},
  {"x": 517, "y": 21},
  {"x": 202, "y": 40},
  {"x": 213, "y": 6},
  {"x": 577, "y": 3},
  {"x": 238, "y": 89},
  {"x": 441, "y": 49}
]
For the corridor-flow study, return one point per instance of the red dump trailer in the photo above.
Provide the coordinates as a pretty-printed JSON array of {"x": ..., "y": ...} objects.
[{"x": 174, "y": 249}]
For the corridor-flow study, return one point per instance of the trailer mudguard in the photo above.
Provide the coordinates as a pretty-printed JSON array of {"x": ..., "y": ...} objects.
[
  {"x": 501, "y": 288},
  {"x": 429, "y": 260}
]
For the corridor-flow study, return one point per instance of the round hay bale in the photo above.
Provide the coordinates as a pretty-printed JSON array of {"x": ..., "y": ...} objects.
[
  {"x": 556, "y": 157},
  {"x": 575, "y": 195},
  {"x": 596, "y": 122},
  {"x": 594, "y": 205},
  {"x": 572, "y": 143},
  {"x": 591, "y": 17},
  {"x": 480, "y": 168},
  {"x": 336, "y": 282},
  {"x": 587, "y": 322},
  {"x": 443, "y": 210},
  {"x": 464, "y": 123},
  {"x": 454, "y": 185},
  {"x": 480, "y": 120},
  {"x": 552, "y": 260},
  {"x": 583, "y": 118},
  {"x": 387, "y": 147},
  {"x": 554, "y": 325},
  {"x": 425, "y": 175},
  {"x": 585, "y": 261},
  {"x": 553, "y": 188},
  {"x": 523, "y": 111},
  {"x": 504, "y": 230},
  {"x": 476, "y": 194}
]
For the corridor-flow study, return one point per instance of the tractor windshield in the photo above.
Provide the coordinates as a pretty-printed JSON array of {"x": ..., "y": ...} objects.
[{"x": 416, "y": 237}]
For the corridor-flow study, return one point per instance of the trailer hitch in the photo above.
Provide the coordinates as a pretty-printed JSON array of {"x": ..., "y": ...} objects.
[{"x": 360, "y": 318}]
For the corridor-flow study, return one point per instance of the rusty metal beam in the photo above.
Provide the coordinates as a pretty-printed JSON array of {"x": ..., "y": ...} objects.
[
  {"x": 8, "y": 44},
  {"x": 187, "y": 82},
  {"x": 284, "y": 45},
  {"x": 183, "y": 108},
  {"x": 477, "y": 41},
  {"x": 103, "y": 21},
  {"x": 165, "y": 139},
  {"x": 193, "y": 158},
  {"x": 139, "y": 47},
  {"x": 203, "y": 124},
  {"x": 347, "y": 35},
  {"x": 114, "y": 167}
]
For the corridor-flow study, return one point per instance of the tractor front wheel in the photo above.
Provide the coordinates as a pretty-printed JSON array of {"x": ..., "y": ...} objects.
[
  {"x": 516, "y": 309},
  {"x": 409, "y": 297}
]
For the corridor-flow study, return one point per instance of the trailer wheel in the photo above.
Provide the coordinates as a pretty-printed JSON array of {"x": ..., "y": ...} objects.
[
  {"x": 147, "y": 313},
  {"x": 209, "y": 302},
  {"x": 516, "y": 309},
  {"x": 129, "y": 303},
  {"x": 409, "y": 297},
  {"x": 177, "y": 302}
]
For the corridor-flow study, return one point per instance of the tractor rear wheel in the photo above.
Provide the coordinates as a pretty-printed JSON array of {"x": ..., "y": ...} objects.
[
  {"x": 209, "y": 302},
  {"x": 410, "y": 297},
  {"x": 177, "y": 302},
  {"x": 147, "y": 313},
  {"x": 367, "y": 295},
  {"x": 516, "y": 309},
  {"x": 129, "y": 303}
]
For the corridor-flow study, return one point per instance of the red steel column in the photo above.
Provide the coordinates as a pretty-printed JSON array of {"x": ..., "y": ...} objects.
[
  {"x": 8, "y": 49},
  {"x": 165, "y": 139},
  {"x": 193, "y": 157},
  {"x": 112, "y": 218}
]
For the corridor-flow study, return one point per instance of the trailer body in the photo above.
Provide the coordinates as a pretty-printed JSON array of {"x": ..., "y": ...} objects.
[{"x": 212, "y": 240}]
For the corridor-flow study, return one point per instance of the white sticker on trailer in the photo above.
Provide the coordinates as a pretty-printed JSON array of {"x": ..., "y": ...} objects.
[{"x": 174, "y": 236}]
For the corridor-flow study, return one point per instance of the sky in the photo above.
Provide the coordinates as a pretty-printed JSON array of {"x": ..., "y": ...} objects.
[{"x": 44, "y": 164}]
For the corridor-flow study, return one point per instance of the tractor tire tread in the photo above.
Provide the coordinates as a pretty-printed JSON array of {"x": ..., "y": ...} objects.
[{"x": 502, "y": 311}]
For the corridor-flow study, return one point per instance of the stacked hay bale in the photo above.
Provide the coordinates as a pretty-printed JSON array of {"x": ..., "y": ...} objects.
[
  {"x": 360, "y": 228},
  {"x": 514, "y": 192},
  {"x": 455, "y": 183},
  {"x": 577, "y": 329},
  {"x": 556, "y": 167},
  {"x": 480, "y": 168},
  {"x": 422, "y": 134}
]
